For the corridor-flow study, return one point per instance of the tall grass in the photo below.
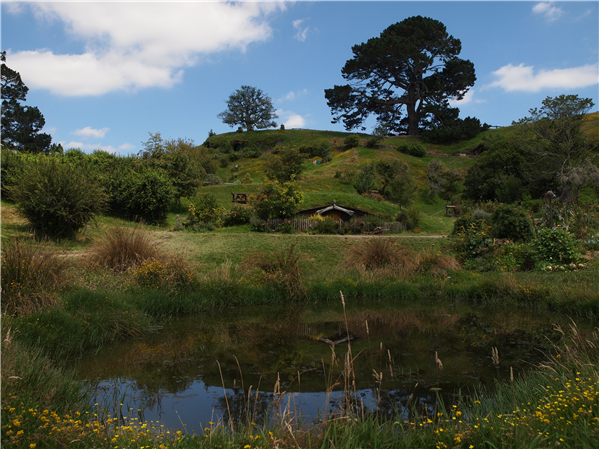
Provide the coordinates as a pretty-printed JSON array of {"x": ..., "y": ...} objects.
[
  {"x": 31, "y": 275},
  {"x": 280, "y": 270},
  {"x": 123, "y": 247}
]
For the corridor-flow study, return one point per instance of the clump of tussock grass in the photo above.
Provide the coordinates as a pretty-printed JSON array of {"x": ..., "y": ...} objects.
[
  {"x": 280, "y": 269},
  {"x": 31, "y": 275},
  {"x": 378, "y": 253},
  {"x": 121, "y": 248},
  {"x": 436, "y": 264}
]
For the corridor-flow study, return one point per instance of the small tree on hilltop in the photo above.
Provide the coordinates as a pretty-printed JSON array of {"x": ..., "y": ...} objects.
[{"x": 249, "y": 108}]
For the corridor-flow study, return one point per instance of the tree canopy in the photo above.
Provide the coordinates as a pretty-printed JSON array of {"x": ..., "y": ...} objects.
[
  {"x": 249, "y": 108},
  {"x": 412, "y": 65},
  {"x": 21, "y": 125}
]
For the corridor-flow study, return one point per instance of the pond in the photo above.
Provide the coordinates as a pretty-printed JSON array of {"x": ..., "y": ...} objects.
[{"x": 259, "y": 361}]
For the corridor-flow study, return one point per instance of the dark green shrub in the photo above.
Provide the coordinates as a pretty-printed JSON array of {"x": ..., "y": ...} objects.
[
  {"x": 224, "y": 161},
  {"x": 10, "y": 162},
  {"x": 351, "y": 141},
  {"x": 149, "y": 195},
  {"x": 57, "y": 198},
  {"x": 555, "y": 246},
  {"x": 454, "y": 130},
  {"x": 374, "y": 141},
  {"x": 417, "y": 150},
  {"x": 238, "y": 215},
  {"x": 511, "y": 223},
  {"x": 211, "y": 179},
  {"x": 326, "y": 225},
  {"x": 410, "y": 217},
  {"x": 365, "y": 179},
  {"x": 321, "y": 149}
]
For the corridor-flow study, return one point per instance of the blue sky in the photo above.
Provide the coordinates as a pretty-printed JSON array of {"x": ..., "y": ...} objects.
[{"x": 105, "y": 74}]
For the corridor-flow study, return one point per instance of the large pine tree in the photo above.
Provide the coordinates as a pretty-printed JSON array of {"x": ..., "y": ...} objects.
[{"x": 413, "y": 66}]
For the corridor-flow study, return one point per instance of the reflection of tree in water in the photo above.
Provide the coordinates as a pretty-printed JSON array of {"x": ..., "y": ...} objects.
[
  {"x": 243, "y": 409},
  {"x": 272, "y": 345}
]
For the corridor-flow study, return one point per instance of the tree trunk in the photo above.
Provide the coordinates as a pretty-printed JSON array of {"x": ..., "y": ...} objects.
[{"x": 413, "y": 122}]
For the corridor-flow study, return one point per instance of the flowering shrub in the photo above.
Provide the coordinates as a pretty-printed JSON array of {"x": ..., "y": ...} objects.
[
  {"x": 473, "y": 241},
  {"x": 170, "y": 273},
  {"x": 205, "y": 214}
]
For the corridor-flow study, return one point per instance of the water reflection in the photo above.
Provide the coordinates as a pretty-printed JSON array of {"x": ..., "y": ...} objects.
[{"x": 242, "y": 363}]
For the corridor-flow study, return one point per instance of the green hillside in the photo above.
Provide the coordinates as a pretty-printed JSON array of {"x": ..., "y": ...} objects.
[{"x": 324, "y": 183}]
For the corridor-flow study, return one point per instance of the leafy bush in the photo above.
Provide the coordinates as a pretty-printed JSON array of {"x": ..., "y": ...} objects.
[
  {"x": 30, "y": 274},
  {"x": 473, "y": 238},
  {"x": 365, "y": 179},
  {"x": 9, "y": 162},
  {"x": 57, "y": 198},
  {"x": 204, "y": 213},
  {"x": 374, "y": 141},
  {"x": 149, "y": 195},
  {"x": 454, "y": 130},
  {"x": 285, "y": 166},
  {"x": 239, "y": 214},
  {"x": 351, "y": 141},
  {"x": 410, "y": 217},
  {"x": 211, "y": 179},
  {"x": 511, "y": 223},
  {"x": 326, "y": 225},
  {"x": 321, "y": 149},
  {"x": 120, "y": 248},
  {"x": 278, "y": 200},
  {"x": 417, "y": 150},
  {"x": 555, "y": 246}
]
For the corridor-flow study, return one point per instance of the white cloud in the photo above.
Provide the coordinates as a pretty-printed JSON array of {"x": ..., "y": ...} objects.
[
  {"x": 301, "y": 32},
  {"x": 291, "y": 119},
  {"x": 131, "y": 46},
  {"x": 522, "y": 78},
  {"x": 551, "y": 13},
  {"x": 469, "y": 97},
  {"x": 292, "y": 95},
  {"x": 88, "y": 132},
  {"x": 126, "y": 146}
]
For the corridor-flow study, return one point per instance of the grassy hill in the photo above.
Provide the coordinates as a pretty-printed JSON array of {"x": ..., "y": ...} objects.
[{"x": 324, "y": 183}]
